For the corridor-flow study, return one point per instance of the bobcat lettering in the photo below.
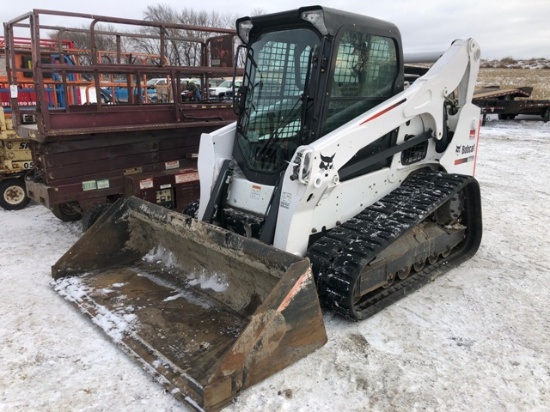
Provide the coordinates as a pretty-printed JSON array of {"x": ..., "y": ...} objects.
[{"x": 465, "y": 149}]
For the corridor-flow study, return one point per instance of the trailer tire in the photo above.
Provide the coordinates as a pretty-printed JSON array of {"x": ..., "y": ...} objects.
[
  {"x": 546, "y": 115},
  {"x": 90, "y": 216},
  {"x": 13, "y": 195},
  {"x": 66, "y": 213}
]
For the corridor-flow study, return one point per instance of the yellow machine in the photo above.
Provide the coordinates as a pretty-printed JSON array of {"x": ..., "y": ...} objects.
[{"x": 15, "y": 161}]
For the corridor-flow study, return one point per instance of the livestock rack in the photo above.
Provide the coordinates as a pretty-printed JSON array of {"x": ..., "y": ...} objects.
[{"x": 97, "y": 132}]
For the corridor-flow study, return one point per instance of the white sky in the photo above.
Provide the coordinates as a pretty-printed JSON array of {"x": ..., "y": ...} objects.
[{"x": 516, "y": 28}]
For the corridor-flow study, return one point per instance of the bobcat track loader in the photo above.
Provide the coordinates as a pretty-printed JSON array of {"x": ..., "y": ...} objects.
[{"x": 345, "y": 182}]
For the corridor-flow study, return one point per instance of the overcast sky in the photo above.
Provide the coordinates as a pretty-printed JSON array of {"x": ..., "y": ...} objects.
[{"x": 503, "y": 28}]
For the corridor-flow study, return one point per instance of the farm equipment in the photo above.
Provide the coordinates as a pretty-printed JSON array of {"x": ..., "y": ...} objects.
[
  {"x": 94, "y": 129},
  {"x": 510, "y": 102},
  {"x": 337, "y": 186},
  {"x": 15, "y": 162}
]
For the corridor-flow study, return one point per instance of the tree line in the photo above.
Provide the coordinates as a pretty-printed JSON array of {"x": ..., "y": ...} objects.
[{"x": 178, "y": 50}]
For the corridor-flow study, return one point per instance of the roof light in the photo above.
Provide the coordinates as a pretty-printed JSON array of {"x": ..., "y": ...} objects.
[
  {"x": 243, "y": 29},
  {"x": 317, "y": 19}
]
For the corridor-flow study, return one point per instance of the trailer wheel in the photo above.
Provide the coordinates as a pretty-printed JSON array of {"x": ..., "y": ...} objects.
[
  {"x": 546, "y": 115},
  {"x": 66, "y": 212},
  {"x": 13, "y": 195},
  {"x": 91, "y": 215}
]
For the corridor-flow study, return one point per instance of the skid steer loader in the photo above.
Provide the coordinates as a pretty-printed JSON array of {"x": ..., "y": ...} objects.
[{"x": 346, "y": 182}]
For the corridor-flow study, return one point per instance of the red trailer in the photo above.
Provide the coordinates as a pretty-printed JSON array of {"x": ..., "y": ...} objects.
[{"x": 97, "y": 131}]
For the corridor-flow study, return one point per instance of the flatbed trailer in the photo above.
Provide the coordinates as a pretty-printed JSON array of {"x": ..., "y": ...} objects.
[
  {"x": 88, "y": 147},
  {"x": 510, "y": 102}
]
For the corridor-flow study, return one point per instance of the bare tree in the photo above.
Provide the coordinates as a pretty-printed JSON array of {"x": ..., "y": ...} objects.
[
  {"x": 257, "y": 12},
  {"x": 106, "y": 41},
  {"x": 183, "y": 47},
  {"x": 82, "y": 39},
  {"x": 181, "y": 50}
]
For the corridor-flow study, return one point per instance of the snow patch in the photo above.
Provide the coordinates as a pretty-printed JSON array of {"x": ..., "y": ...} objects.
[
  {"x": 476, "y": 336},
  {"x": 115, "y": 324},
  {"x": 202, "y": 278},
  {"x": 208, "y": 280},
  {"x": 160, "y": 255},
  {"x": 71, "y": 288}
]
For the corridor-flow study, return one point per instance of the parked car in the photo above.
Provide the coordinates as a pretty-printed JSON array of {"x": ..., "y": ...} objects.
[
  {"x": 116, "y": 94},
  {"x": 225, "y": 89},
  {"x": 151, "y": 86},
  {"x": 151, "y": 83},
  {"x": 216, "y": 81}
]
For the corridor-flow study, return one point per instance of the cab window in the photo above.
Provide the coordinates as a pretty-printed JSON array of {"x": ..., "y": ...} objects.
[{"x": 365, "y": 72}]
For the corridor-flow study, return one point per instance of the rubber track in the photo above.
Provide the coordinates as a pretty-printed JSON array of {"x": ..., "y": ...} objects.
[{"x": 339, "y": 257}]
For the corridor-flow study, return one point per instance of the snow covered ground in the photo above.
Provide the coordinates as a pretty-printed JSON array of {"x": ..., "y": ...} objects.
[{"x": 476, "y": 339}]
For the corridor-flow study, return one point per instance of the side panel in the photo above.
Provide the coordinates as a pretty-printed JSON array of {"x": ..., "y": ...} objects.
[
  {"x": 214, "y": 148},
  {"x": 173, "y": 189},
  {"x": 15, "y": 154},
  {"x": 461, "y": 155},
  {"x": 92, "y": 168}
]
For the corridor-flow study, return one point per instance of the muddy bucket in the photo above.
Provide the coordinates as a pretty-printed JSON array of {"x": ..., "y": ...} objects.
[{"x": 208, "y": 312}]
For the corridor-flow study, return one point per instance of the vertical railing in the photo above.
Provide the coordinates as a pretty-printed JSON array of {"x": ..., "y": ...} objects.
[{"x": 58, "y": 82}]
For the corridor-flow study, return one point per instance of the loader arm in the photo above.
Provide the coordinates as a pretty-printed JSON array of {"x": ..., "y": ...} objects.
[
  {"x": 456, "y": 69},
  {"x": 418, "y": 111}
]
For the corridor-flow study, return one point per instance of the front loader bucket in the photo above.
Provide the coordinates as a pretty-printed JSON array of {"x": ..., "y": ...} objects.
[{"x": 208, "y": 312}]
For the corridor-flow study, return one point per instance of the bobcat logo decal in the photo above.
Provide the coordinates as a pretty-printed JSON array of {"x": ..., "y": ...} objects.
[{"x": 326, "y": 162}]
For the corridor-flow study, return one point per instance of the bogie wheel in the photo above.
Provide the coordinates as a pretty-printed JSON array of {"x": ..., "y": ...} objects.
[
  {"x": 66, "y": 212},
  {"x": 432, "y": 260},
  {"x": 404, "y": 273},
  {"x": 13, "y": 195},
  {"x": 419, "y": 266},
  {"x": 389, "y": 280}
]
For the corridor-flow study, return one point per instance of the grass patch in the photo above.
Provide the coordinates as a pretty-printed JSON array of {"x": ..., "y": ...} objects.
[{"x": 539, "y": 79}]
